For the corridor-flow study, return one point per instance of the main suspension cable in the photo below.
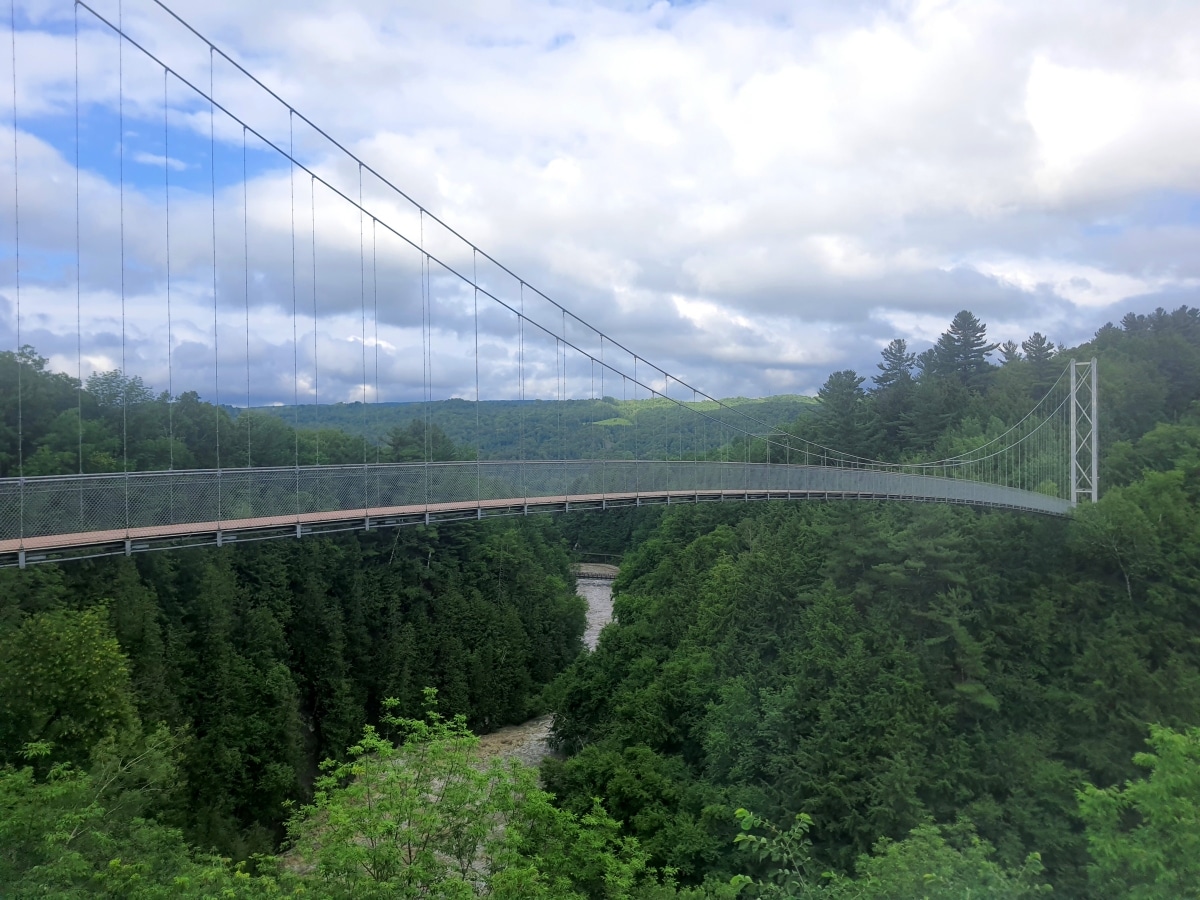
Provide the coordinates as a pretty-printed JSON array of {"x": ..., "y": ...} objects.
[{"x": 839, "y": 456}]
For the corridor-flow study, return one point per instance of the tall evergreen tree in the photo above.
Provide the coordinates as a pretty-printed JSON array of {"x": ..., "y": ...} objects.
[
  {"x": 1040, "y": 352},
  {"x": 845, "y": 422},
  {"x": 1037, "y": 348},
  {"x": 896, "y": 365},
  {"x": 927, "y": 363},
  {"x": 894, "y": 387},
  {"x": 963, "y": 350}
]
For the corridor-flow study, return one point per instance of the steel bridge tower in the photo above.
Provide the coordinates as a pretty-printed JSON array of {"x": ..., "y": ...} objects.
[{"x": 1084, "y": 446}]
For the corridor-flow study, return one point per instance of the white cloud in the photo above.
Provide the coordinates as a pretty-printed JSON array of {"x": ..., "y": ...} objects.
[
  {"x": 749, "y": 194},
  {"x": 1082, "y": 285},
  {"x": 155, "y": 159}
]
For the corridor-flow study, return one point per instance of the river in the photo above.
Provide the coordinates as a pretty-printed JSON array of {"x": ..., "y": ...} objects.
[{"x": 527, "y": 741}]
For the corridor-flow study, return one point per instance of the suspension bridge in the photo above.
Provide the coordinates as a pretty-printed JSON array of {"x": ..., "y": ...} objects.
[{"x": 231, "y": 246}]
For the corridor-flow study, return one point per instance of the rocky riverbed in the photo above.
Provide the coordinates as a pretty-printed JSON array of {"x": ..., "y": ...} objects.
[{"x": 527, "y": 741}]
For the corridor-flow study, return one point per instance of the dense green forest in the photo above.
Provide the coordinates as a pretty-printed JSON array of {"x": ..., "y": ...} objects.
[
  {"x": 838, "y": 700},
  {"x": 876, "y": 669},
  {"x": 605, "y": 428},
  {"x": 113, "y": 422},
  {"x": 237, "y": 672}
]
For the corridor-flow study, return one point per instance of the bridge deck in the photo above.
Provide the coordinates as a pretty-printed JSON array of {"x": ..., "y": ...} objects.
[{"x": 141, "y": 511}]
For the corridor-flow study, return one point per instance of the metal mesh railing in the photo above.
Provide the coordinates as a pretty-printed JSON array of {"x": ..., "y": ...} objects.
[{"x": 107, "y": 505}]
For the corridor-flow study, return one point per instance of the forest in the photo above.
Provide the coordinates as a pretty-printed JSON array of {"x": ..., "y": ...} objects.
[
  {"x": 599, "y": 428},
  {"x": 829, "y": 700}
]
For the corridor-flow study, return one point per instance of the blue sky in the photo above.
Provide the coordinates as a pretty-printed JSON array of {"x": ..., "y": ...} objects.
[{"x": 751, "y": 195}]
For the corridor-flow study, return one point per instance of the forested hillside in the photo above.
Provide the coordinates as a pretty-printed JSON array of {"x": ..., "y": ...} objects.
[
  {"x": 836, "y": 700},
  {"x": 267, "y": 658},
  {"x": 606, "y": 428},
  {"x": 877, "y": 668},
  {"x": 113, "y": 423}
]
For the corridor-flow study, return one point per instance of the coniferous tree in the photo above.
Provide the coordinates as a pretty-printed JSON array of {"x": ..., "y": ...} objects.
[
  {"x": 962, "y": 351},
  {"x": 845, "y": 422},
  {"x": 896, "y": 365},
  {"x": 927, "y": 363},
  {"x": 1041, "y": 354},
  {"x": 1037, "y": 348},
  {"x": 1010, "y": 352},
  {"x": 894, "y": 387}
]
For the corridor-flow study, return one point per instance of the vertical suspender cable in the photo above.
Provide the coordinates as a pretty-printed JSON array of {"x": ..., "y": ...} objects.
[
  {"x": 637, "y": 469},
  {"x": 375, "y": 321},
  {"x": 121, "y": 217},
  {"x": 170, "y": 319},
  {"x": 295, "y": 313},
  {"x": 362, "y": 311},
  {"x": 212, "y": 149},
  {"x": 17, "y": 280},
  {"x": 79, "y": 275},
  {"x": 521, "y": 386},
  {"x": 426, "y": 359},
  {"x": 78, "y": 282},
  {"x": 679, "y": 411},
  {"x": 478, "y": 432},
  {"x": 312, "y": 199},
  {"x": 562, "y": 389},
  {"x": 604, "y": 452},
  {"x": 246, "y": 266}
]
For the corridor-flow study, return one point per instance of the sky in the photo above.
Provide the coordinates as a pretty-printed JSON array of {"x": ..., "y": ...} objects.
[{"x": 746, "y": 195}]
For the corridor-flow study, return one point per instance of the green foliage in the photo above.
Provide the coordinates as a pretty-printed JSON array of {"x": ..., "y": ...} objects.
[
  {"x": 408, "y": 820},
  {"x": 93, "y": 832},
  {"x": 1144, "y": 837},
  {"x": 64, "y": 684},
  {"x": 931, "y": 863},
  {"x": 784, "y": 856},
  {"x": 896, "y": 365},
  {"x": 845, "y": 421},
  {"x": 607, "y": 428},
  {"x": 418, "y": 442},
  {"x": 872, "y": 667},
  {"x": 273, "y": 656},
  {"x": 962, "y": 351},
  {"x": 425, "y": 817}
]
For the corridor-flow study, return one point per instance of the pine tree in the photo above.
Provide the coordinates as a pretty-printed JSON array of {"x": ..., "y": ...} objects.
[
  {"x": 1037, "y": 348},
  {"x": 845, "y": 422},
  {"x": 927, "y": 363},
  {"x": 897, "y": 365},
  {"x": 893, "y": 391},
  {"x": 963, "y": 350},
  {"x": 1010, "y": 351},
  {"x": 1041, "y": 353}
]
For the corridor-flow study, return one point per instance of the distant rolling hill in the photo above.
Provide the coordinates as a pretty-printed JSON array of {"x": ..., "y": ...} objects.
[{"x": 549, "y": 429}]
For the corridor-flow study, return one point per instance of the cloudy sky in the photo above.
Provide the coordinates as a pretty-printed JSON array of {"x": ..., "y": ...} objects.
[{"x": 748, "y": 194}]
